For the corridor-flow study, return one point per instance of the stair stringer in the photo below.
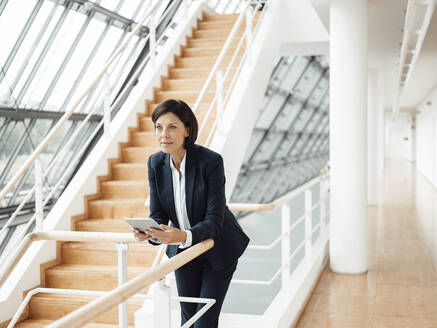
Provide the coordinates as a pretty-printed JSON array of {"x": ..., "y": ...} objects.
[{"x": 70, "y": 206}]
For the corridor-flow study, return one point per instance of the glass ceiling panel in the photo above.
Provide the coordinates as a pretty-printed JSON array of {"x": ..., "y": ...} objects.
[
  {"x": 289, "y": 144},
  {"x": 256, "y": 138},
  {"x": 288, "y": 115},
  {"x": 273, "y": 106},
  {"x": 298, "y": 66},
  {"x": 268, "y": 146}
]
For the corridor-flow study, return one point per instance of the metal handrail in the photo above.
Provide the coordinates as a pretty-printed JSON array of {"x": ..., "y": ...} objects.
[
  {"x": 207, "y": 301},
  {"x": 253, "y": 207},
  {"x": 285, "y": 231},
  {"x": 120, "y": 294},
  {"x": 13, "y": 258}
]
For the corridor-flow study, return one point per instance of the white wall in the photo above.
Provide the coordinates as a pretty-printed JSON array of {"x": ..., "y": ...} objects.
[
  {"x": 425, "y": 141},
  {"x": 399, "y": 137},
  {"x": 426, "y": 137}
]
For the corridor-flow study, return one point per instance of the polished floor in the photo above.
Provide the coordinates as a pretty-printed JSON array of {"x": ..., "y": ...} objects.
[{"x": 400, "y": 288}]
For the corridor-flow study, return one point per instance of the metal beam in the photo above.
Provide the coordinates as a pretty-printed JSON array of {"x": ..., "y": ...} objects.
[{"x": 21, "y": 114}]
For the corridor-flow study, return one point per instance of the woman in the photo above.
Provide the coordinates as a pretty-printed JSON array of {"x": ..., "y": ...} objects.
[{"x": 187, "y": 188}]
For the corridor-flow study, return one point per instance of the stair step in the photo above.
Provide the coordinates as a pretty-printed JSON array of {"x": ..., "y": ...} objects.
[
  {"x": 208, "y": 42},
  {"x": 218, "y": 33},
  {"x": 117, "y": 208},
  {"x": 216, "y": 24},
  {"x": 144, "y": 139},
  {"x": 224, "y": 21},
  {"x": 93, "y": 253},
  {"x": 40, "y": 323},
  {"x": 88, "y": 277},
  {"x": 146, "y": 123},
  {"x": 54, "y": 306},
  {"x": 189, "y": 84},
  {"x": 209, "y": 51},
  {"x": 202, "y": 107},
  {"x": 193, "y": 72},
  {"x": 129, "y": 171},
  {"x": 103, "y": 225},
  {"x": 137, "y": 154},
  {"x": 207, "y": 62},
  {"x": 124, "y": 189},
  {"x": 219, "y": 17},
  {"x": 188, "y": 96}
]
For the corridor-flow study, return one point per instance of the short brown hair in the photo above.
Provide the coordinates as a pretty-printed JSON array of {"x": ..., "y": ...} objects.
[{"x": 184, "y": 113}]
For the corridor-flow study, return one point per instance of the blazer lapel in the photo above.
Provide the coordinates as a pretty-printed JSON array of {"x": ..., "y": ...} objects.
[
  {"x": 190, "y": 177},
  {"x": 168, "y": 187}
]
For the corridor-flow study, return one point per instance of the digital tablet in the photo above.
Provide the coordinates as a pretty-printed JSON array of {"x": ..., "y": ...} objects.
[{"x": 142, "y": 224}]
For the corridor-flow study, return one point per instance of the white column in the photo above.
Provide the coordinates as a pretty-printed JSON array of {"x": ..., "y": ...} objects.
[
  {"x": 348, "y": 137},
  {"x": 381, "y": 132},
  {"x": 372, "y": 134}
]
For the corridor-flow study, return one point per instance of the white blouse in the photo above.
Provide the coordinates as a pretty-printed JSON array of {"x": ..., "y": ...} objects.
[{"x": 180, "y": 203}]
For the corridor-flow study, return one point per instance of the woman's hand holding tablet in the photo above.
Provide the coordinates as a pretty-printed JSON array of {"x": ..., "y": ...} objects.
[{"x": 140, "y": 226}]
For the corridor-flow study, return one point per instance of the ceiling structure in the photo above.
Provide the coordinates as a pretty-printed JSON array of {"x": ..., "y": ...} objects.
[
  {"x": 290, "y": 142},
  {"x": 386, "y": 21}
]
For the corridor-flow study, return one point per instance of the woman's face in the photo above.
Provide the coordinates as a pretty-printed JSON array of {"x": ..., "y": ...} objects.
[{"x": 171, "y": 133}]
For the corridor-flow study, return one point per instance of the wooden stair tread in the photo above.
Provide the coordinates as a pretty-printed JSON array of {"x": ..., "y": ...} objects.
[
  {"x": 102, "y": 270},
  {"x": 132, "y": 166},
  {"x": 183, "y": 92},
  {"x": 37, "y": 323},
  {"x": 121, "y": 183},
  {"x": 118, "y": 201},
  {"x": 70, "y": 298},
  {"x": 146, "y": 148},
  {"x": 145, "y": 133},
  {"x": 103, "y": 221},
  {"x": 212, "y": 17},
  {"x": 106, "y": 246}
]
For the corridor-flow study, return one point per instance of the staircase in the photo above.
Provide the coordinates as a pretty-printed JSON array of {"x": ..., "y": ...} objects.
[{"x": 122, "y": 193}]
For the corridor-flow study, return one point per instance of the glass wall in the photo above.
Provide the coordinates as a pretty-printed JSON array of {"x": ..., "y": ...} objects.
[
  {"x": 51, "y": 53},
  {"x": 290, "y": 142}
]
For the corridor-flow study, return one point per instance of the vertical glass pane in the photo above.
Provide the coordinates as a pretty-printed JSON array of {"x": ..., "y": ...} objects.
[
  {"x": 315, "y": 236},
  {"x": 12, "y": 20},
  {"x": 13, "y": 240},
  {"x": 262, "y": 228},
  {"x": 53, "y": 60},
  {"x": 35, "y": 52}
]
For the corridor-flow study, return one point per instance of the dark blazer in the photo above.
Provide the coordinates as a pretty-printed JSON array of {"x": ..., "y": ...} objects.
[{"x": 206, "y": 204}]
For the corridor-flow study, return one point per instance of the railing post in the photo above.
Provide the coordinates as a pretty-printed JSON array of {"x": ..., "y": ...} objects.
[
  {"x": 122, "y": 278},
  {"x": 162, "y": 309},
  {"x": 323, "y": 193},
  {"x": 308, "y": 225},
  {"x": 152, "y": 39},
  {"x": 107, "y": 105},
  {"x": 39, "y": 214},
  {"x": 220, "y": 104},
  {"x": 285, "y": 243}
]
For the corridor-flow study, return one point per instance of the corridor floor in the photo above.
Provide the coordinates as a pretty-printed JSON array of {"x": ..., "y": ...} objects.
[{"x": 400, "y": 288}]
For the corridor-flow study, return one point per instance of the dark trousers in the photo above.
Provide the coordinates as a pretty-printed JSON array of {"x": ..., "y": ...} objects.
[{"x": 198, "y": 279}]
